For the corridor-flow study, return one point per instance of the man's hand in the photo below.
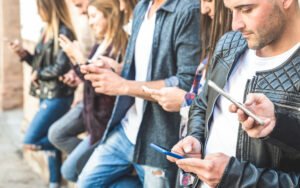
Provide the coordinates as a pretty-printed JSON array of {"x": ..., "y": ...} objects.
[
  {"x": 104, "y": 80},
  {"x": 210, "y": 170},
  {"x": 188, "y": 147},
  {"x": 170, "y": 98},
  {"x": 72, "y": 49},
  {"x": 34, "y": 79},
  {"x": 261, "y": 106},
  {"x": 70, "y": 79}
]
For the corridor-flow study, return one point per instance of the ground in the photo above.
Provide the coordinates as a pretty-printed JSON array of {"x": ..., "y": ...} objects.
[{"x": 14, "y": 171}]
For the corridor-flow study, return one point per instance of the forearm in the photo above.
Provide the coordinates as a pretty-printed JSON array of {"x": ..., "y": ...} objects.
[
  {"x": 286, "y": 131},
  {"x": 134, "y": 88},
  {"x": 196, "y": 124},
  {"x": 245, "y": 174}
]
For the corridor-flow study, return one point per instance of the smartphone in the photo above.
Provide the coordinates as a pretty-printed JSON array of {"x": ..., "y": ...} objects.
[
  {"x": 238, "y": 104},
  {"x": 166, "y": 152}
]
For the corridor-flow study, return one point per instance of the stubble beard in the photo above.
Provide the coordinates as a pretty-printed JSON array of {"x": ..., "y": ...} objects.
[{"x": 270, "y": 32}]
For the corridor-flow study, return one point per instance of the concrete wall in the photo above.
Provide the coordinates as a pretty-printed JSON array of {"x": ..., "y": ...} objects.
[
  {"x": 11, "y": 73},
  {"x": 15, "y": 76}
]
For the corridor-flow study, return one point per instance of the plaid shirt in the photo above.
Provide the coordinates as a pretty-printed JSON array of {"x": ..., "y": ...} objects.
[
  {"x": 196, "y": 87},
  {"x": 186, "y": 179}
]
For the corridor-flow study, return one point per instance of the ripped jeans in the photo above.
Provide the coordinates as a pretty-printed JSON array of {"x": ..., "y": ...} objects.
[
  {"x": 50, "y": 110},
  {"x": 111, "y": 165}
]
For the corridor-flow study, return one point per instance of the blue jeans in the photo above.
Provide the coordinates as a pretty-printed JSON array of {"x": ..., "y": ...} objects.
[
  {"x": 68, "y": 169},
  {"x": 110, "y": 162},
  {"x": 50, "y": 110}
]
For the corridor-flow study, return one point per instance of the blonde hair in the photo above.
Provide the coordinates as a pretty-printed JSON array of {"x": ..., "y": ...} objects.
[
  {"x": 55, "y": 12},
  {"x": 115, "y": 36},
  {"x": 130, "y": 5}
]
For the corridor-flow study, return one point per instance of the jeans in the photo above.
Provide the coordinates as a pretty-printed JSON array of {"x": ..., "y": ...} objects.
[
  {"x": 160, "y": 178},
  {"x": 68, "y": 169},
  {"x": 63, "y": 133},
  {"x": 110, "y": 162},
  {"x": 50, "y": 110}
]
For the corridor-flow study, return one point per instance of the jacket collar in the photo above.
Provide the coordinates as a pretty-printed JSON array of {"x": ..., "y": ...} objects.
[{"x": 169, "y": 5}]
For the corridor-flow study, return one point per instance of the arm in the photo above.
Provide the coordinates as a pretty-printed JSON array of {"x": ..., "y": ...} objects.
[
  {"x": 110, "y": 83},
  {"x": 223, "y": 171},
  {"x": 236, "y": 172},
  {"x": 187, "y": 47},
  {"x": 281, "y": 125},
  {"x": 24, "y": 55},
  {"x": 196, "y": 124},
  {"x": 61, "y": 64},
  {"x": 286, "y": 132}
]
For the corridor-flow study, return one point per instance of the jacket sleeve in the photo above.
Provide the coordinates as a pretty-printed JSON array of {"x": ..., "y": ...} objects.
[
  {"x": 61, "y": 64},
  {"x": 245, "y": 174},
  {"x": 27, "y": 57},
  {"x": 286, "y": 132},
  {"x": 196, "y": 123},
  {"x": 187, "y": 46},
  {"x": 76, "y": 68}
]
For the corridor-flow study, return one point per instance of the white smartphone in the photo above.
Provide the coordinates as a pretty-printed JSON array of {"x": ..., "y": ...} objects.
[{"x": 238, "y": 104}]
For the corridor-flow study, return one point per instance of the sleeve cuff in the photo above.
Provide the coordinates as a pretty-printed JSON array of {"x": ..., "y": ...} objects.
[{"x": 171, "y": 81}]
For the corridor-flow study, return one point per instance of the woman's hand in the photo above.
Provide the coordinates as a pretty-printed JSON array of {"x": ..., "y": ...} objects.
[
  {"x": 72, "y": 49},
  {"x": 16, "y": 46}
]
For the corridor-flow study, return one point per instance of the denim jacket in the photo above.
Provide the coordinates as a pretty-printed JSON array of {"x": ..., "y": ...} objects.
[{"x": 175, "y": 54}]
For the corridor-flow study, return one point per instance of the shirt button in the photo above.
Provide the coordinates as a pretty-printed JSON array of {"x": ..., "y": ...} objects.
[
  {"x": 127, "y": 61},
  {"x": 133, "y": 39}
]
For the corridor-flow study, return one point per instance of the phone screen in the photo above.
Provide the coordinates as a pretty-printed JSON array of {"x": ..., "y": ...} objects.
[{"x": 166, "y": 152}]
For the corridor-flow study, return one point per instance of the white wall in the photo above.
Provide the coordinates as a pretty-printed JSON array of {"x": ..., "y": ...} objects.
[{"x": 31, "y": 23}]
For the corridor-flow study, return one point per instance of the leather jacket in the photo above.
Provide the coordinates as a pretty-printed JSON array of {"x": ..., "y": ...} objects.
[
  {"x": 273, "y": 161},
  {"x": 49, "y": 67}
]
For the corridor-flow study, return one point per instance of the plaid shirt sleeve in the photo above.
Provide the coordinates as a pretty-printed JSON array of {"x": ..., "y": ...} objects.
[{"x": 196, "y": 87}]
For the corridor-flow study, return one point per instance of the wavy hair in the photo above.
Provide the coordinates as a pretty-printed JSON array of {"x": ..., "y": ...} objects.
[
  {"x": 54, "y": 13},
  {"x": 213, "y": 30},
  {"x": 115, "y": 36}
]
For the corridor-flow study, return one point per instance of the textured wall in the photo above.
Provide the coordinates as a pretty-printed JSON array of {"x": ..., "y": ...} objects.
[{"x": 11, "y": 74}]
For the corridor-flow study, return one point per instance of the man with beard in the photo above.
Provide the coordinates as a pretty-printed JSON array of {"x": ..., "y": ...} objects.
[{"x": 258, "y": 63}]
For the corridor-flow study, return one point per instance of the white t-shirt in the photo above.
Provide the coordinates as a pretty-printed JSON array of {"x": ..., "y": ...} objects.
[
  {"x": 224, "y": 127},
  {"x": 143, "y": 48}
]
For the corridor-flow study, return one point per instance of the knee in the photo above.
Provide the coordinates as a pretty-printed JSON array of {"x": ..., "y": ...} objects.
[
  {"x": 90, "y": 181},
  {"x": 68, "y": 173},
  {"x": 54, "y": 135}
]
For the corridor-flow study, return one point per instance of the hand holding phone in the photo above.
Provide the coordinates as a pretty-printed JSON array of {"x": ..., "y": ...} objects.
[
  {"x": 240, "y": 105},
  {"x": 166, "y": 152}
]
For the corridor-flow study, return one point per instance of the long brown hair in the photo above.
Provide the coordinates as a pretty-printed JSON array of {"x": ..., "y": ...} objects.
[
  {"x": 212, "y": 30},
  {"x": 115, "y": 35},
  {"x": 55, "y": 12},
  {"x": 130, "y": 4}
]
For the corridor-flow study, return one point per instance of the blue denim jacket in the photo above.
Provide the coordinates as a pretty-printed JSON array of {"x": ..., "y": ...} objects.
[{"x": 175, "y": 52}]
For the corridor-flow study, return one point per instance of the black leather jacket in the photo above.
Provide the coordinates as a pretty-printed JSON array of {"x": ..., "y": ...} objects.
[
  {"x": 273, "y": 161},
  {"x": 49, "y": 67}
]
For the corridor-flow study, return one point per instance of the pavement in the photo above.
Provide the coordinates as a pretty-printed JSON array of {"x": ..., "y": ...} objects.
[{"x": 14, "y": 171}]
